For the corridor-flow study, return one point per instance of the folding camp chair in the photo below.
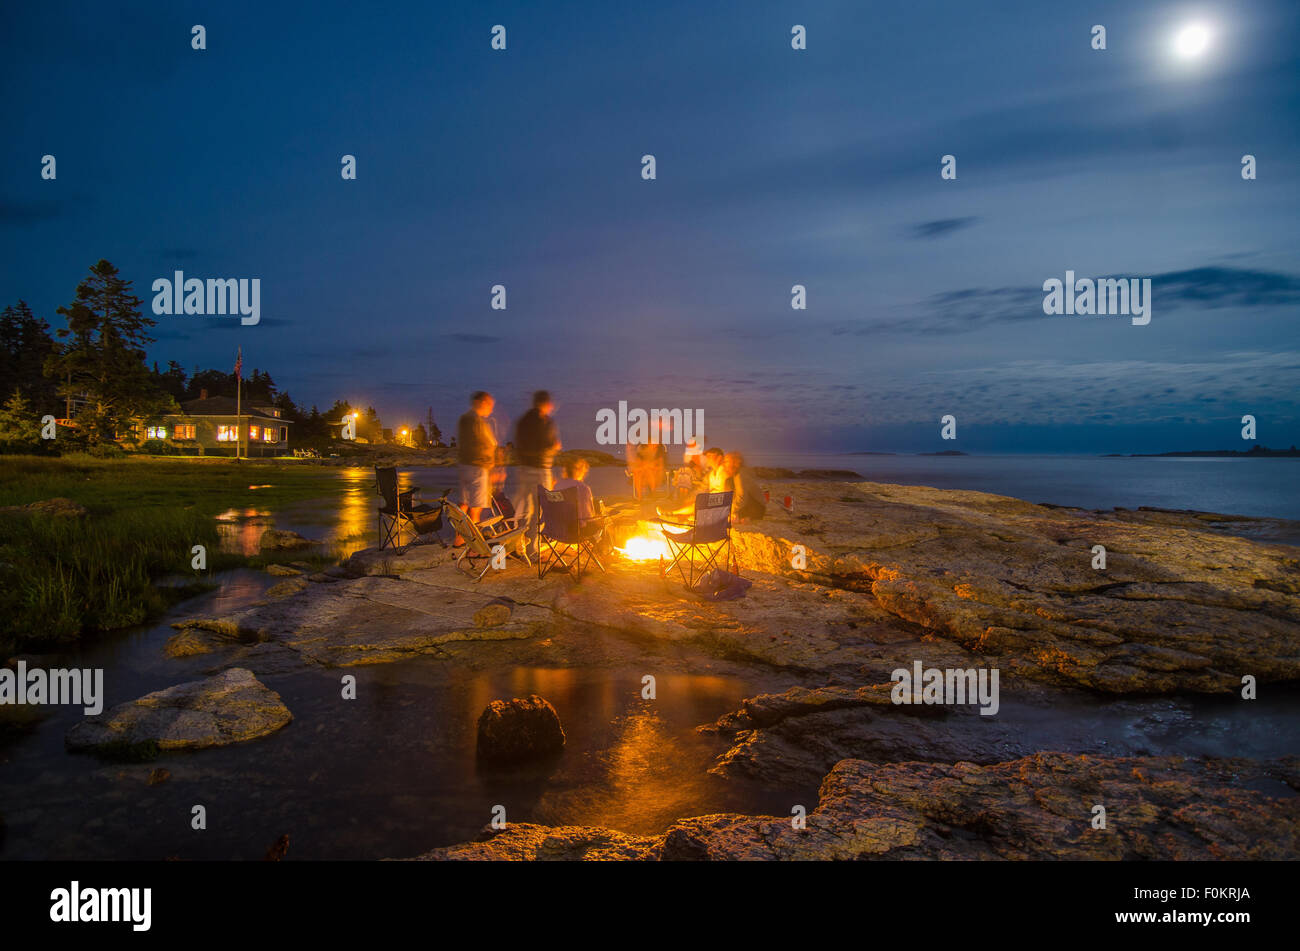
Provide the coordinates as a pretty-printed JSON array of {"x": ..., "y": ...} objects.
[
  {"x": 402, "y": 512},
  {"x": 708, "y": 534},
  {"x": 564, "y": 533},
  {"x": 503, "y": 507},
  {"x": 481, "y": 540}
]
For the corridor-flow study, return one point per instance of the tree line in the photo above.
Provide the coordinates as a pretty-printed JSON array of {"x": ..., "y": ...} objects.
[{"x": 94, "y": 372}]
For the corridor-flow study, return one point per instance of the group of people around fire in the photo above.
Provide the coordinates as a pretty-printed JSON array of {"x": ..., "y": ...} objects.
[{"x": 483, "y": 479}]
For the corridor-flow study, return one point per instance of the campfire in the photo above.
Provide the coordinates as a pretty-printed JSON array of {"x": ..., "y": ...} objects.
[{"x": 645, "y": 543}]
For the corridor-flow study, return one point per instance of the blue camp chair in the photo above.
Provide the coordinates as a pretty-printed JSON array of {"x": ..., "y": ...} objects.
[
  {"x": 696, "y": 545},
  {"x": 568, "y": 540}
]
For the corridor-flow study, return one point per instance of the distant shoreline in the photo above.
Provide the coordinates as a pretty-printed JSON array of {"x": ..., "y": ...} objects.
[{"x": 1259, "y": 452}]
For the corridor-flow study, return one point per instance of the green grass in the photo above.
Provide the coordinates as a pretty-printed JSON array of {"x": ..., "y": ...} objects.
[
  {"x": 61, "y": 578},
  {"x": 209, "y": 485}
]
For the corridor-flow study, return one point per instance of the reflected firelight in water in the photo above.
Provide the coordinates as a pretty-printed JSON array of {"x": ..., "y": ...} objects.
[
  {"x": 240, "y": 530},
  {"x": 355, "y": 529}
]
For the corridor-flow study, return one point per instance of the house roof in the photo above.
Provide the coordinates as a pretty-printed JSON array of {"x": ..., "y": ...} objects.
[{"x": 225, "y": 406}]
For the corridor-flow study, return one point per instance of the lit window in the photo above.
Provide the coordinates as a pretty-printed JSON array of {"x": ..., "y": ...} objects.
[
  {"x": 183, "y": 431},
  {"x": 268, "y": 434},
  {"x": 225, "y": 434},
  {"x": 157, "y": 432},
  {"x": 253, "y": 432}
]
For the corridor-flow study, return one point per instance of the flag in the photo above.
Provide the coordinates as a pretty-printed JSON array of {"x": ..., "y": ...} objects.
[{"x": 239, "y": 363}]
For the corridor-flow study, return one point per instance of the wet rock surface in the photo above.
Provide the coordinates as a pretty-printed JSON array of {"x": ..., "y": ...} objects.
[{"x": 1037, "y": 807}]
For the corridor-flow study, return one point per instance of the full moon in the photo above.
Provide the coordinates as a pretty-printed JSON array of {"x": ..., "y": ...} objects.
[{"x": 1192, "y": 40}]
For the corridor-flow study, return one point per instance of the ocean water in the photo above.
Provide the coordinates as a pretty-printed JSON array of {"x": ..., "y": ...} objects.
[{"x": 1268, "y": 488}]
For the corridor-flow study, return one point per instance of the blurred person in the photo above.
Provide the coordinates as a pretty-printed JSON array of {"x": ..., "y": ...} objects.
[
  {"x": 537, "y": 440},
  {"x": 476, "y": 446},
  {"x": 575, "y": 475},
  {"x": 497, "y": 479},
  {"x": 747, "y": 503},
  {"x": 716, "y": 474}
]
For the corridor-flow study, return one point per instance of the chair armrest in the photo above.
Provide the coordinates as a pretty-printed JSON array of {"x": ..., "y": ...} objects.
[{"x": 489, "y": 522}]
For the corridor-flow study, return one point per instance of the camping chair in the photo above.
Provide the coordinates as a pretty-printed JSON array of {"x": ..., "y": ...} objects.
[
  {"x": 563, "y": 532},
  {"x": 708, "y": 533},
  {"x": 479, "y": 543},
  {"x": 401, "y": 512},
  {"x": 505, "y": 509}
]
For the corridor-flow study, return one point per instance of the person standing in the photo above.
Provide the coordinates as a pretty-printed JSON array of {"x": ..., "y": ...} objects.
[
  {"x": 476, "y": 447},
  {"x": 537, "y": 440}
]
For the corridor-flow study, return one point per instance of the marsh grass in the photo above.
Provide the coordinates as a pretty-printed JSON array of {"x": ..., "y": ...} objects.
[{"x": 61, "y": 578}]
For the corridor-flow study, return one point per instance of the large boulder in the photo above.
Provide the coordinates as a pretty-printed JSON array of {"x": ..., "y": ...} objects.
[
  {"x": 520, "y": 729},
  {"x": 276, "y": 539},
  {"x": 230, "y": 707}
]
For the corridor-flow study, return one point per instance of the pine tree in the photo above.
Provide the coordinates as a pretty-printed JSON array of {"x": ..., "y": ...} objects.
[
  {"x": 20, "y": 427},
  {"x": 103, "y": 360},
  {"x": 25, "y": 345}
]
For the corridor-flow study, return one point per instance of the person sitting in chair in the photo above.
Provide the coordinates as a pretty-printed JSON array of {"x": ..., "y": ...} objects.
[
  {"x": 575, "y": 471},
  {"x": 716, "y": 473},
  {"x": 747, "y": 503}
]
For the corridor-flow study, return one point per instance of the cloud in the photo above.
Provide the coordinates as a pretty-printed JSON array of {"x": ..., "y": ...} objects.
[
  {"x": 971, "y": 308},
  {"x": 1226, "y": 286},
  {"x": 927, "y": 230}
]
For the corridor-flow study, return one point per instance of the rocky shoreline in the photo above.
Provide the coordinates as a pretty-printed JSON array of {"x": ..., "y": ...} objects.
[{"x": 859, "y": 580}]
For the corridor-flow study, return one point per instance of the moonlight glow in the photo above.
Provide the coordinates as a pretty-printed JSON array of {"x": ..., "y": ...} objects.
[{"x": 1192, "y": 40}]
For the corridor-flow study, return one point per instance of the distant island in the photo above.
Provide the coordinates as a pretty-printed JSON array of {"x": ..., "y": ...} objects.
[
  {"x": 867, "y": 452},
  {"x": 1257, "y": 452}
]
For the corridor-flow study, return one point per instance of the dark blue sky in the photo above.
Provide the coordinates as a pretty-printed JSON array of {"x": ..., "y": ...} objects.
[{"x": 775, "y": 167}]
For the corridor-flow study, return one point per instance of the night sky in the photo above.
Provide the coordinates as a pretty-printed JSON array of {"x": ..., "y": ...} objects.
[{"x": 775, "y": 167}]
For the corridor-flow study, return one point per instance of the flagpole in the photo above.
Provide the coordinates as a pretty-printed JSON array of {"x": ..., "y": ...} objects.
[{"x": 239, "y": 417}]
